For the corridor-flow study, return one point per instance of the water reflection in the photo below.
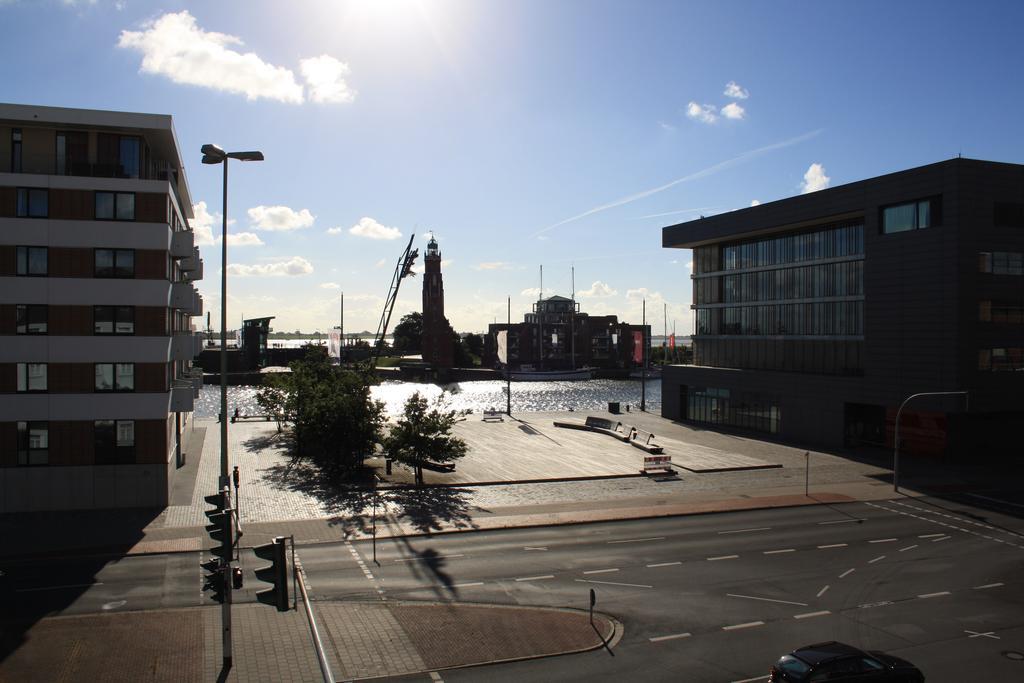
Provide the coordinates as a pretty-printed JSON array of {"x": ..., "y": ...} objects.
[{"x": 474, "y": 396}]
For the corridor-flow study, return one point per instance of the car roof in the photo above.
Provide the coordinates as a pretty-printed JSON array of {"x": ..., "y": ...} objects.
[{"x": 823, "y": 652}]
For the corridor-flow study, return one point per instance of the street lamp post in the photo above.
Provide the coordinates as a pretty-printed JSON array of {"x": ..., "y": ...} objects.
[
  {"x": 212, "y": 154},
  {"x": 896, "y": 436}
]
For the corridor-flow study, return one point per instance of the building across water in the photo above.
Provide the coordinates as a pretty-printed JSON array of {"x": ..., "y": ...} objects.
[
  {"x": 97, "y": 264},
  {"x": 818, "y": 315},
  {"x": 570, "y": 338}
]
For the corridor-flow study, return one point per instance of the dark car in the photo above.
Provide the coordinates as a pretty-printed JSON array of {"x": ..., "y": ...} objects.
[{"x": 834, "y": 661}]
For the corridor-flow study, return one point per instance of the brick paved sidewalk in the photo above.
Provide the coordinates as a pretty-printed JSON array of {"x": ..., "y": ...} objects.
[{"x": 363, "y": 640}]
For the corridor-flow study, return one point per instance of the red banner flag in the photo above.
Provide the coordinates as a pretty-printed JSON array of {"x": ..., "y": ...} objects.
[
  {"x": 672, "y": 341},
  {"x": 638, "y": 347}
]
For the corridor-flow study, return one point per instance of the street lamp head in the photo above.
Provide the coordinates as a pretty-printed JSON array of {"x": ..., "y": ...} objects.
[
  {"x": 212, "y": 154},
  {"x": 246, "y": 156}
]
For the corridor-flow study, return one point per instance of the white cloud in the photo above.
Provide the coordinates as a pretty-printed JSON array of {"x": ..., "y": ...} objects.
[
  {"x": 296, "y": 265},
  {"x": 175, "y": 47},
  {"x": 279, "y": 218},
  {"x": 337, "y": 230},
  {"x": 534, "y": 292},
  {"x": 329, "y": 285},
  {"x": 419, "y": 268},
  {"x": 814, "y": 179},
  {"x": 755, "y": 202},
  {"x": 380, "y": 264},
  {"x": 733, "y": 90},
  {"x": 666, "y": 126},
  {"x": 689, "y": 266},
  {"x": 325, "y": 78},
  {"x": 492, "y": 265},
  {"x": 598, "y": 289},
  {"x": 203, "y": 224},
  {"x": 705, "y": 113},
  {"x": 243, "y": 239},
  {"x": 733, "y": 111},
  {"x": 644, "y": 293},
  {"x": 371, "y": 229}
]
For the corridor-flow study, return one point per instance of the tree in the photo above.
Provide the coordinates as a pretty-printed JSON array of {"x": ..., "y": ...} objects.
[
  {"x": 475, "y": 344},
  {"x": 408, "y": 333},
  {"x": 423, "y": 434},
  {"x": 461, "y": 357},
  {"x": 334, "y": 420}
]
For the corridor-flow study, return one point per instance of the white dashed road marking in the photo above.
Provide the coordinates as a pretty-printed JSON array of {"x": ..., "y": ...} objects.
[
  {"x": 536, "y": 578},
  {"x": 933, "y": 595},
  {"x": 722, "y": 557},
  {"x": 468, "y": 584},
  {"x": 847, "y": 573},
  {"x": 822, "y": 591},
  {"x": 833, "y": 545},
  {"x": 743, "y": 531},
  {"x": 909, "y": 547},
  {"x": 986, "y": 634},
  {"x": 877, "y": 559},
  {"x": 808, "y": 615},
  {"x": 776, "y": 552},
  {"x": 988, "y": 585},
  {"x": 754, "y": 597},
  {"x": 426, "y": 559},
  {"x": 663, "y": 564},
  {"x": 601, "y": 571},
  {"x": 674, "y": 636},
  {"x": 841, "y": 521},
  {"x": 884, "y": 540},
  {"x": 749, "y": 624},
  {"x": 638, "y": 540},
  {"x": 613, "y": 583}
]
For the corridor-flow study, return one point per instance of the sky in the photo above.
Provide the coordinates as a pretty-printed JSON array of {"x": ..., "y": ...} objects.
[{"x": 521, "y": 133}]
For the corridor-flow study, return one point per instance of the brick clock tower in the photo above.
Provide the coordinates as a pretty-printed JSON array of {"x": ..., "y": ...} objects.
[{"x": 438, "y": 336}]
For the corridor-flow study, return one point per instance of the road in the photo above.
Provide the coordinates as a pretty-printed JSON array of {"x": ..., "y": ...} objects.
[{"x": 702, "y": 598}]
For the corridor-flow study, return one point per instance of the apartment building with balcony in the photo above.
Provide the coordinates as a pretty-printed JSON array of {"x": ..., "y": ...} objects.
[
  {"x": 97, "y": 295},
  {"x": 818, "y": 315}
]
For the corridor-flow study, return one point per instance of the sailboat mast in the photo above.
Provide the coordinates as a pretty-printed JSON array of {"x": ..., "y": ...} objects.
[
  {"x": 664, "y": 333},
  {"x": 572, "y": 321},
  {"x": 540, "y": 323}
]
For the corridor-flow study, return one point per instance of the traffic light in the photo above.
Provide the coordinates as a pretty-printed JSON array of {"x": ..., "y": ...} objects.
[
  {"x": 236, "y": 578},
  {"x": 220, "y": 531},
  {"x": 276, "y": 573}
]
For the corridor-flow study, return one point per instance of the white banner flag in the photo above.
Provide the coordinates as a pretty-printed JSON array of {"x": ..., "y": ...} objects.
[
  {"x": 502, "y": 337},
  {"x": 334, "y": 343}
]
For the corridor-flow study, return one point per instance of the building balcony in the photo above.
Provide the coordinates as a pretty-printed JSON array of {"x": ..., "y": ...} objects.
[
  {"x": 197, "y": 305},
  {"x": 182, "y": 296},
  {"x": 190, "y": 262},
  {"x": 185, "y": 346},
  {"x": 196, "y": 375},
  {"x": 183, "y": 244},
  {"x": 183, "y": 399}
]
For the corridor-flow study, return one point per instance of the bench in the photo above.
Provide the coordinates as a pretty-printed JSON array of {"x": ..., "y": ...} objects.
[
  {"x": 493, "y": 416},
  {"x": 644, "y": 440},
  {"x": 600, "y": 425}
]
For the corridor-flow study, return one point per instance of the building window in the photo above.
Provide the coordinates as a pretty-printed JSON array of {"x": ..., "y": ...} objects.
[
  {"x": 32, "y": 260},
  {"x": 32, "y": 319},
  {"x": 1008, "y": 215},
  {"x": 15, "y": 150},
  {"x": 115, "y": 263},
  {"x": 115, "y": 206},
  {"x": 113, "y": 319},
  {"x": 72, "y": 153},
  {"x": 1009, "y": 359},
  {"x": 128, "y": 157},
  {"x": 1001, "y": 312},
  {"x": 33, "y": 443},
  {"x": 114, "y": 442},
  {"x": 115, "y": 377},
  {"x": 739, "y": 409},
  {"x": 33, "y": 202},
  {"x": 1001, "y": 262},
  {"x": 910, "y": 216},
  {"x": 31, "y": 377}
]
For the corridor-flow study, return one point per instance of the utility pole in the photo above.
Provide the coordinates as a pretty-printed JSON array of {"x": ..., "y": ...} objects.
[
  {"x": 508, "y": 372},
  {"x": 643, "y": 357}
]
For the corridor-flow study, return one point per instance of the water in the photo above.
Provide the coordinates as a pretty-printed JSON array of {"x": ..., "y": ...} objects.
[{"x": 473, "y": 396}]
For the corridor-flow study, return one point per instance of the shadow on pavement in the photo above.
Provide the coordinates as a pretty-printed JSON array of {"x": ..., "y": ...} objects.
[{"x": 40, "y": 576}]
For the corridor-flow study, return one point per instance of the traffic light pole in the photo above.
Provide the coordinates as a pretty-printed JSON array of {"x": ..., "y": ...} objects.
[{"x": 225, "y": 608}]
